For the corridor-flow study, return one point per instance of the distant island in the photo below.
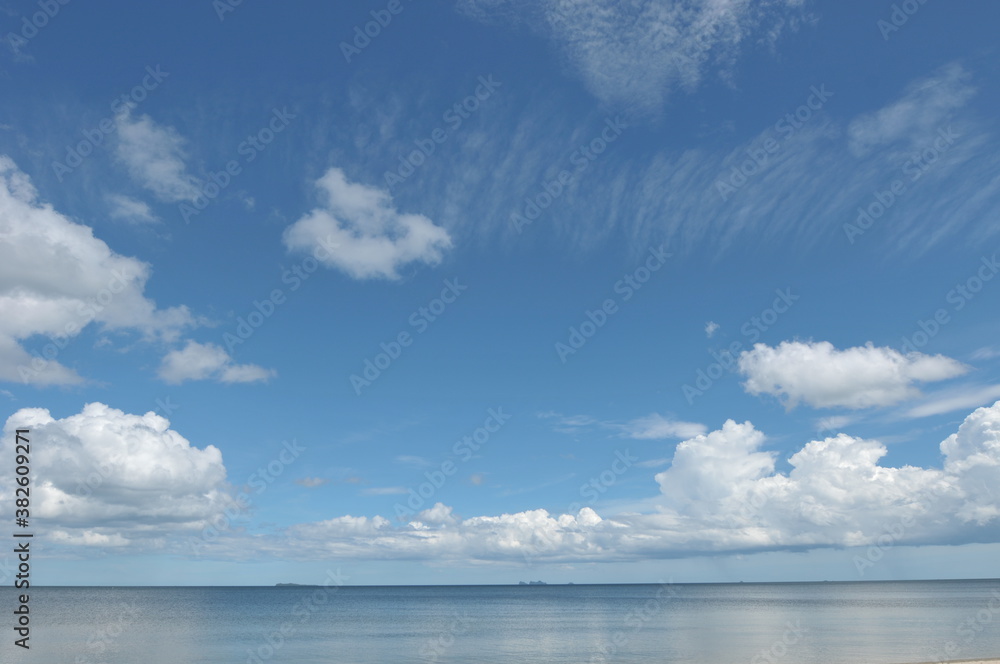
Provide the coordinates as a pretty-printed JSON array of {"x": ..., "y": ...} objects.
[
  {"x": 297, "y": 585},
  {"x": 532, "y": 583}
]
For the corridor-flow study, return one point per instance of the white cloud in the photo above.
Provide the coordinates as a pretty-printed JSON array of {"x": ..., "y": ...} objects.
[
  {"x": 632, "y": 55},
  {"x": 917, "y": 115},
  {"x": 209, "y": 362},
  {"x": 824, "y": 377},
  {"x": 952, "y": 400},
  {"x": 364, "y": 236},
  {"x": 312, "y": 482},
  {"x": 155, "y": 157},
  {"x": 655, "y": 426},
  {"x": 130, "y": 210},
  {"x": 721, "y": 493},
  {"x": 106, "y": 478},
  {"x": 56, "y": 278},
  {"x": 711, "y": 328}
]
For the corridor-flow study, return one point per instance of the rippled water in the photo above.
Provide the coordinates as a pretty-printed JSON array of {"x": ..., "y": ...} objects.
[{"x": 799, "y": 623}]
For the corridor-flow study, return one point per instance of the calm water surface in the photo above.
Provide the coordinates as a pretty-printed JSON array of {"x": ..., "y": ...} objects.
[{"x": 801, "y": 623}]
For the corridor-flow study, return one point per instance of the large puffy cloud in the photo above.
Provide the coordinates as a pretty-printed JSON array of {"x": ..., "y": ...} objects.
[
  {"x": 363, "y": 235},
  {"x": 721, "y": 493},
  {"x": 208, "y": 361},
  {"x": 103, "y": 477},
  {"x": 56, "y": 278},
  {"x": 632, "y": 54},
  {"x": 824, "y": 377}
]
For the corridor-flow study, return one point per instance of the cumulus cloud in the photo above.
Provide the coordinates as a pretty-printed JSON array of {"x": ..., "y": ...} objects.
[
  {"x": 721, "y": 493},
  {"x": 106, "y": 478},
  {"x": 155, "y": 157},
  {"x": 56, "y": 277},
  {"x": 916, "y": 117},
  {"x": 822, "y": 376},
  {"x": 364, "y": 236},
  {"x": 209, "y": 362},
  {"x": 631, "y": 55}
]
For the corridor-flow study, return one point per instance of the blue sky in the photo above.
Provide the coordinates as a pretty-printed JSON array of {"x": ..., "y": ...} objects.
[{"x": 582, "y": 291}]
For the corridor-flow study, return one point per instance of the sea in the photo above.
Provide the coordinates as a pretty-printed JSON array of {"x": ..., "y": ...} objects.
[{"x": 752, "y": 623}]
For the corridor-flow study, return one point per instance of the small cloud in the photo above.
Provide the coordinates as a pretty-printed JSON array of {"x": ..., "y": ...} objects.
[
  {"x": 655, "y": 427},
  {"x": 417, "y": 462},
  {"x": 209, "y": 362},
  {"x": 477, "y": 479},
  {"x": 155, "y": 158},
  {"x": 363, "y": 235},
  {"x": 130, "y": 210},
  {"x": 952, "y": 400},
  {"x": 652, "y": 463},
  {"x": 383, "y": 491},
  {"x": 312, "y": 482},
  {"x": 986, "y": 353},
  {"x": 710, "y": 328},
  {"x": 834, "y": 423}
]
